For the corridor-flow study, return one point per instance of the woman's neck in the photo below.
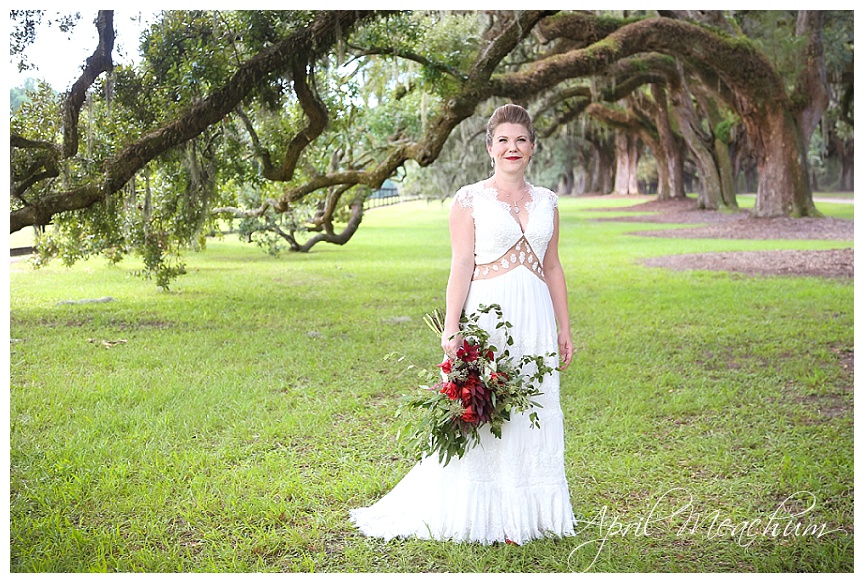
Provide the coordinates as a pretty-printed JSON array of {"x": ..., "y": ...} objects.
[{"x": 509, "y": 182}]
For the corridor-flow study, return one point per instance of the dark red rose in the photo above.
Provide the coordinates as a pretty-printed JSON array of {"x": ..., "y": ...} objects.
[
  {"x": 490, "y": 355},
  {"x": 451, "y": 390},
  {"x": 469, "y": 416},
  {"x": 468, "y": 352},
  {"x": 446, "y": 366}
]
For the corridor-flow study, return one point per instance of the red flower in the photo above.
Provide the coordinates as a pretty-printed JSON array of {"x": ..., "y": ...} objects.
[
  {"x": 469, "y": 416},
  {"x": 490, "y": 355},
  {"x": 446, "y": 366},
  {"x": 468, "y": 352},
  {"x": 451, "y": 390}
]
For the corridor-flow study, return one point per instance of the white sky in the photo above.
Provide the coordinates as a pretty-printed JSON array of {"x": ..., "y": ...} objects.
[{"x": 59, "y": 57}]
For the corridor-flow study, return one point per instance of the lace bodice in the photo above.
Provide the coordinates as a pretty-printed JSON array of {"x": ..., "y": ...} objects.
[{"x": 496, "y": 230}]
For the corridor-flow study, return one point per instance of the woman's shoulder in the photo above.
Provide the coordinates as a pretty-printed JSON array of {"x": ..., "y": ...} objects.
[
  {"x": 541, "y": 192},
  {"x": 465, "y": 195}
]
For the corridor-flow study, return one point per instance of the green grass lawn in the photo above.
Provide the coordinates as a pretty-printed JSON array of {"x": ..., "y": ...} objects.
[{"x": 234, "y": 421}]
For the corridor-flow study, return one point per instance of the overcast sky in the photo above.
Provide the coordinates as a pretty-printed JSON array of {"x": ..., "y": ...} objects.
[{"x": 59, "y": 57}]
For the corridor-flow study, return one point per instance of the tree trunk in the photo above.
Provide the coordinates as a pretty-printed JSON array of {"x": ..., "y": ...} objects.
[
  {"x": 784, "y": 185},
  {"x": 812, "y": 89},
  {"x": 676, "y": 172},
  {"x": 605, "y": 173},
  {"x": 719, "y": 147},
  {"x": 845, "y": 154},
  {"x": 724, "y": 169},
  {"x": 814, "y": 181},
  {"x": 633, "y": 160},
  {"x": 622, "y": 163},
  {"x": 579, "y": 182},
  {"x": 743, "y": 163},
  {"x": 710, "y": 196},
  {"x": 602, "y": 171},
  {"x": 782, "y": 128},
  {"x": 711, "y": 153},
  {"x": 847, "y": 176},
  {"x": 751, "y": 175},
  {"x": 581, "y": 171},
  {"x": 670, "y": 180},
  {"x": 664, "y": 182},
  {"x": 565, "y": 182}
]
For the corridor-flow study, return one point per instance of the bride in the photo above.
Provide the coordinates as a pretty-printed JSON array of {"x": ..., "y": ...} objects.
[{"x": 504, "y": 238}]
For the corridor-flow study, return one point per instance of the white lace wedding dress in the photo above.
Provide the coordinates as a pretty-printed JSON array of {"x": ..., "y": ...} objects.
[{"x": 513, "y": 488}]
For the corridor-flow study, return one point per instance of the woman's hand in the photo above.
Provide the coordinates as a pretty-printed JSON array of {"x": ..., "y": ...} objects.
[
  {"x": 451, "y": 345},
  {"x": 565, "y": 349}
]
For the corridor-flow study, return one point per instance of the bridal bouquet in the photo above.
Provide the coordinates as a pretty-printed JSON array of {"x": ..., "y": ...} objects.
[{"x": 483, "y": 385}]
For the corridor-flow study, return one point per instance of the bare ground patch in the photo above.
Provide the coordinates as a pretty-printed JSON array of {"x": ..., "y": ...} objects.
[
  {"x": 650, "y": 204},
  {"x": 742, "y": 226},
  {"x": 728, "y": 224},
  {"x": 820, "y": 263},
  {"x": 837, "y": 263},
  {"x": 827, "y": 406}
]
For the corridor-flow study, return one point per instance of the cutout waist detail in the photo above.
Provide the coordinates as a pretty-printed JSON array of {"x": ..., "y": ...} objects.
[{"x": 519, "y": 254}]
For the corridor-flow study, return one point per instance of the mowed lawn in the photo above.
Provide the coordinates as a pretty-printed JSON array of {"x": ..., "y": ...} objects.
[{"x": 230, "y": 424}]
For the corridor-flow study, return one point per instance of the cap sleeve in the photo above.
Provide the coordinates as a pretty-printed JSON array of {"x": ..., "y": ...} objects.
[
  {"x": 464, "y": 196},
  {"x": 548, "y": 194}
]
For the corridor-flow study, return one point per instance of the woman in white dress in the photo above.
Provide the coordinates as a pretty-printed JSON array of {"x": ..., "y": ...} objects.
[{"x": 504, "y": 238}]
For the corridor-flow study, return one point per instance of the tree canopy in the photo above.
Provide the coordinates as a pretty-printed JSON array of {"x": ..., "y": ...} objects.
[{"x": 288, "y": 120}]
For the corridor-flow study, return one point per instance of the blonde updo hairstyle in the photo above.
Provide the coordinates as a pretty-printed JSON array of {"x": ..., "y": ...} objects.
[{"x": 510, "y": 113}]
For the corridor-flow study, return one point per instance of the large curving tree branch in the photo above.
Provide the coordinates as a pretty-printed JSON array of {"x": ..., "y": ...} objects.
[
  {"x": 46, "y": 162},
  {"x": 618, "y": 81},
  {"x": 410, "y": 56},
  {"x": 97, "y": 63},
  {"x": 337, "y": 238},
  {"x": 310, "y": 42},
  {"x": 579, "y": 29},
  {"x": 626, "y": 119},
  {"x": 498, "y": 42},
  {"x": 738, "y": 63},
  {"x": 316, "y": 113},
  {"x": 756, "y": 92}
]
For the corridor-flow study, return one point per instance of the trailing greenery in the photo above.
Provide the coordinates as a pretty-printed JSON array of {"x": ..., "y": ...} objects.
[
  {"x": 481, "y": 385},
  {"x": 229, "y": 425}
]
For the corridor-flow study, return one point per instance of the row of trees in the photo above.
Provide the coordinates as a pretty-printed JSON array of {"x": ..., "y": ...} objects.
[{"x": 286, "y": 120}]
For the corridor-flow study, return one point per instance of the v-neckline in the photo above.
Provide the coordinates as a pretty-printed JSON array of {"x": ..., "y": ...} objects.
[{"x": 522, "y": 229}]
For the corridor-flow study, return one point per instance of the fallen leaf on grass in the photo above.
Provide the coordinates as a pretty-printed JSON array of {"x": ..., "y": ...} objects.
[{"x": 106, "y": 343}]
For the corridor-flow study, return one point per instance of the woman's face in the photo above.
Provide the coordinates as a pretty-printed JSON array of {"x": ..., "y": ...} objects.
[{"x": 511, "y": 148}]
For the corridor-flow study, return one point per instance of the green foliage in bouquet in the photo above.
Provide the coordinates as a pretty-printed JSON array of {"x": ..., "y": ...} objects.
[{"x": 482, "y": 385}]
